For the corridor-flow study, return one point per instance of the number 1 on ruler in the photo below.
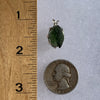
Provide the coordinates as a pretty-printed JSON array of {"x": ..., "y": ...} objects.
[{"x": 18, "y": 14}]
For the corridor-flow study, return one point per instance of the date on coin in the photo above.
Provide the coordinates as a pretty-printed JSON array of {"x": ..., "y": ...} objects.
[{"x": 60, "y": 76}]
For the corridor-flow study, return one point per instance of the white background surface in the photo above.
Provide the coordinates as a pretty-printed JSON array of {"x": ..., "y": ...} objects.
[{"x": 80, "y": 20}]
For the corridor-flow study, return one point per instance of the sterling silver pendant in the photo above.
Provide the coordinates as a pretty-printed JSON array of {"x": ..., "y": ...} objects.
[{"x": 55, "y": 35}]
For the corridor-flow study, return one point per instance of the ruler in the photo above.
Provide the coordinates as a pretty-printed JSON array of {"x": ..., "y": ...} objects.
[{"x": 18, "y": 49}]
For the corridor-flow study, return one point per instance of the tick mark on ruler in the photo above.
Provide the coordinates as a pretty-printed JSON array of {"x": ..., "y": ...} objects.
[
  {"x": 29, "y": 1},
  {"x": 34, "y": 78},
  {"x": 28, "y": 73},
  {"x": 33, "y": 97},
  {"x": 31, "y": 6},
  {"x": 34, "y": 87},
  {"x": 30, "y": 64},
  {"x": 33, "y": 59},
  {"x": 24, "y": 55},
  {"x": 25, "y": 92},
  {"x": 31, "y": 23},
  {"x": 33, "y": 69},
  {"x": 31, "y": 32},
  {"x": 32, "y": 28},
  {"x": 32, "y": 10},
  {"x": 31, "y": 82},
  {"x": 31, "y": 46},
  {"x": 28, "y": 37},
  {"x": 33, "y": 72},
  {"x": 26, "y": 19}
]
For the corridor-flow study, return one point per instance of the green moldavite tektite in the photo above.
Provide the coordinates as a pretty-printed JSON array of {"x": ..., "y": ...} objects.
[{"x": 55, "y": 35}]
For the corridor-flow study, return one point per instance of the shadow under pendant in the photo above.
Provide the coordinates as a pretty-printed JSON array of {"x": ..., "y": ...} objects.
[{"x": 55, "y": 35}]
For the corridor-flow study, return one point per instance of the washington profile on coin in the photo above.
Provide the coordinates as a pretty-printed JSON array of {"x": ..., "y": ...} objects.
[{"x": 60, "y": 76}]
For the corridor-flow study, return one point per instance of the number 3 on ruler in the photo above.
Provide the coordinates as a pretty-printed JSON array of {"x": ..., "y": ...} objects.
[{"x": 19, "y": 86}]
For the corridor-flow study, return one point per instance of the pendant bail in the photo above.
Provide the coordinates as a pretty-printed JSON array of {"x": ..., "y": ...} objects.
[{"x": 55, "y": 22}]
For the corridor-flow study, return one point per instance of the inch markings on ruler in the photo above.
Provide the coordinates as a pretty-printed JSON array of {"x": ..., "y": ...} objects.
[
  {"x": 32, "y": 45},
  {"x": 19, "y": 45}
]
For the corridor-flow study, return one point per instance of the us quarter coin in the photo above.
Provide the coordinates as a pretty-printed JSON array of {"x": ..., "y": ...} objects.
[{"x": 60, "y": 76}]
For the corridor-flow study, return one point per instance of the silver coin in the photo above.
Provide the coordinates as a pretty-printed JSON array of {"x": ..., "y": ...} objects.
[{"x": 60, "y": 76}]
